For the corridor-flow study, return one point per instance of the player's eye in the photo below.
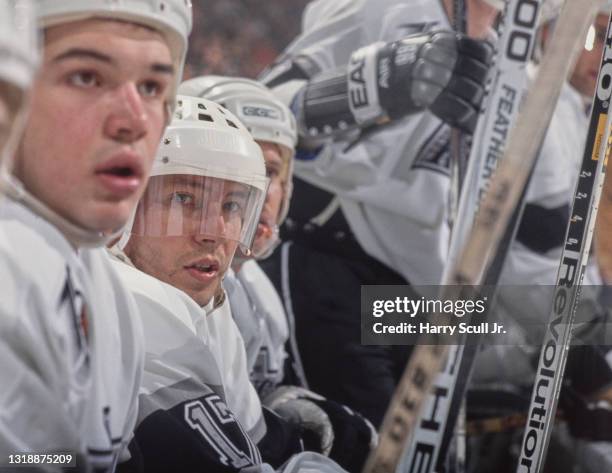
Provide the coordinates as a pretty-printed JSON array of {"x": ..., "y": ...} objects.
[
  {"x": 150, "y": 88},
  {"x": 232, "y": 207},
  {"x": 84, "y": 79},
  {"x": 272, "y": 172},
  {"x": 182, "y": 198}
]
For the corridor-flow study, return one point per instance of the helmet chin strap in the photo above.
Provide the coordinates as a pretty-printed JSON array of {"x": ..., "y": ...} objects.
[{"x": 78, "y": 236}]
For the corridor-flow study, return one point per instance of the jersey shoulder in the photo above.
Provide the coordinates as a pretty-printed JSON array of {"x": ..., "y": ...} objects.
[
  {"x": 266, "y": 299},
  {"x": 227, "y": 345},
  {"x": 177, "y": 342},
  {"x": 33, "y": 266},
  {"x": 157, "y": 295}
]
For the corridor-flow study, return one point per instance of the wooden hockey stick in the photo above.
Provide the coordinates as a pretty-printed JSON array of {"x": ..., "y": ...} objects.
[
  {"x": 495, "y": 213},
  {"x": 508, "y": 83}
]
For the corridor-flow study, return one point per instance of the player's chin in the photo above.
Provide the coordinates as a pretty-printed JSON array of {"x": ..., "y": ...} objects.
[
  {"x": 204, "y": 294},
  {"x": 107, "y": 217}
]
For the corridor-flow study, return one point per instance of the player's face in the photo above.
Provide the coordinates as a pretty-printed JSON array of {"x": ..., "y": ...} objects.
[
  {"x": 276, "y": 170},
  {"x": 208, "y": 212},
  {"x": 97, "y": 115},
  {"x": 584, "y": 76}
]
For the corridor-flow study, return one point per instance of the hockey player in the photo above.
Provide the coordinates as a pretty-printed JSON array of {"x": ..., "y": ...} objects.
[
  {"x": 194, "y": 259},
  {"x": 202, "y": 203},
  {"x": 373, "y": 108},
  {"x": 71, "y": 346},
  {"x": 17, "y": 65},
  {"x": 255, "y": 304},
  {"x": 256, "y": 307}
]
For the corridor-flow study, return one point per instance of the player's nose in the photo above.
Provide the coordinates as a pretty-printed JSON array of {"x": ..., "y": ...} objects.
[{"x": 127, "y": 119}]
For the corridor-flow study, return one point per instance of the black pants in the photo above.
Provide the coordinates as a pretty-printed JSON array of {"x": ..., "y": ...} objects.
[{"x": 324, "y": 292}]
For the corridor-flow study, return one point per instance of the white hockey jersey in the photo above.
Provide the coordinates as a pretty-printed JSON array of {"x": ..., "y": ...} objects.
[
  {"x": 194, "y": 370},
  {"x": 261, "y": 319},
  {"x": 186, "y": 343},
  {"x": 71, "y": 347},
  {"x": 393, "y": 183},
  {"x": 227, "y": 345}
]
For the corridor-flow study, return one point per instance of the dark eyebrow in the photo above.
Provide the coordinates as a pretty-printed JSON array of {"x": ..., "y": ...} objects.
[
  {"x": 80, "y": 53},
  {"x": 163, "y": 68}
]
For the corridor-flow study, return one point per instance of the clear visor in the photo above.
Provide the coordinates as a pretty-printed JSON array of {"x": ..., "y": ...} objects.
[{"x": 190, "y": 205}]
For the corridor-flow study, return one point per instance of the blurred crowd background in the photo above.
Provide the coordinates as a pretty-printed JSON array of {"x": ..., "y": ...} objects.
[{"x": 240, "y": 37}]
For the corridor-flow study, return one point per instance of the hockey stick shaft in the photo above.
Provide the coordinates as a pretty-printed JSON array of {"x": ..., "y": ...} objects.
[
  {"x": 471, "y": 349},
  {"x": 553, "y": 355},
  {"x": 495, "y": 212},
  {"x": 507, "y": 84}
]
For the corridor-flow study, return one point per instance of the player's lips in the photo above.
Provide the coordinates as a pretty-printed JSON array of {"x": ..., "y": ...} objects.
[
  {"x": 122, "y": 174},
  {"x": 204, "y": 270}
]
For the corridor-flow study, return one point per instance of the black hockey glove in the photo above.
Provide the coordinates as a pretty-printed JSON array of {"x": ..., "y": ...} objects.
[
  {"x": 343, "y": 435},
  {"x": 295, "y": 405},
  {"x": 442, "y": 71},
  {"x": 354, "y": 436}
]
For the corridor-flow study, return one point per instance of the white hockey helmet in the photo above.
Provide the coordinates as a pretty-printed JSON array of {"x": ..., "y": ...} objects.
[
  {"x": 265, "y": 116},
  {"x": 208, "y": 178},
  {"x": 172, "y": 18}
]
